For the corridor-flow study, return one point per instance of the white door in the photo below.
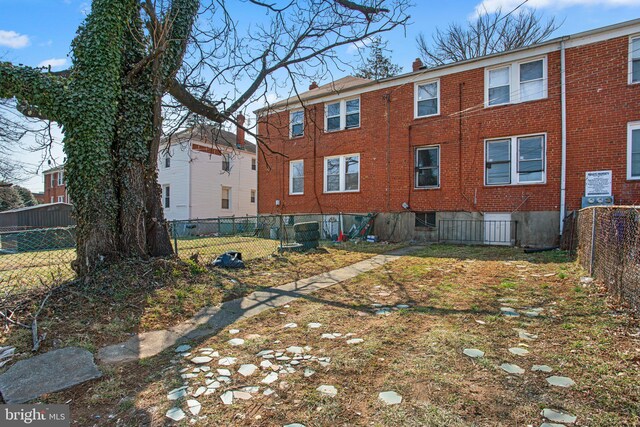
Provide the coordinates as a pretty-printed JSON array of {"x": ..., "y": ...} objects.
[
  {"x": 497, "y": 229},
  {"x": 330, "y": 227}
]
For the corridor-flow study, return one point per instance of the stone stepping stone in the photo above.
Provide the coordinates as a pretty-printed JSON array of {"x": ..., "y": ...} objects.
[
  {"x": 271, "y": 378},
  {"x": 176, "y": 414},
  {"x": 473, "y": 352},
  {"x": 551, "y": 425},
  {"x": 390, "y": 398},
  {"x": 531, "y": 313},
  {"x": 328, "y": 336},
  {"x": 355, "y": 341},
  {"x": 182, "y": 348},
  {"x": 241, "y": 395},
  {"x": 509, "y": 312},
  {"x": 557, "y": 416},
  {"x": 314, "y": 325},
  {"x": 227, "y": 361},
  {"x": 294, "y": 425},
  {"x": 268, "y": 392},
  {"x": 199, "y": 392},
  {"x": 251, "y": 389},
  {"x": 201, "y": 360},
  {"x": 560, "y": 381},
  {"x": 511, "y": 368},
  {"x": 290, "y": 325},
  {"x": 177, "y": 393},
  {"x": 295, "y": 350},
  {"x": 247, "y": 370},
  {"x": 518, "y": 351},
  {"x": 47, "y": 373},
  {"x": 194, "y": 406},
  {"x": 266, "y": 364},
  {"x": 541, "y": 368},
  {"x": 403, "y": 306},
  {"x": 383, "y": 312},
  {"x": 227, "y": 397},
  {"x": 263, "y": 353},
  {"x": 524, "y": 335},
  {"x": 308, "y": 372},
  {"x": 481, "y": 322},
  {"x": 235, "y": 342},
  {"x": 224, "y": 372},
  {"x": 234, "y": 331},
  {"x": 328, "y": 390}
]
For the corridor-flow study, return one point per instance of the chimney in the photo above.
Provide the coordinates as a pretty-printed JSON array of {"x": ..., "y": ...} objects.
[
  {"x": 417, "y": 64},
  {"x": 240, "y": 131},
  {"x": 313, "y": 86}
]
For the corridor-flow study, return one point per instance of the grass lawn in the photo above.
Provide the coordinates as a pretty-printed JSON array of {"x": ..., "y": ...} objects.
[{"x": 454, "y": 296}]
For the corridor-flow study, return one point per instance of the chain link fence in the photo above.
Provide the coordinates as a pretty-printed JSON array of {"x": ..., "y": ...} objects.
[{"x": 607, "y": 242}]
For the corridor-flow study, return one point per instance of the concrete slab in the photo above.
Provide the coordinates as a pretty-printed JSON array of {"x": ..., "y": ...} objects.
[
  {"x": 46, "y": 373},
  {"x": 210, "y": 320}
]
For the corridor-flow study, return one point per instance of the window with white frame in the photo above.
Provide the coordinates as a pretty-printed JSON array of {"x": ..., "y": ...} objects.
[
  {"x": 167, "y": 161},
  {"x": 52, "y": 199},
  {"x": 53, "y": 181},
  {"x": 167, "y": 197},
  {"x": 344, "y": 114},
  {"x": 226, "y": 197},
  {"x": 515, "y": 160},
  {"x": 427, "y": 167},
  {"x": 342, "y": 173},
  {"x": 518, "y": 82},
  {"x": 226, "y": 162},
  {"x": 253, "y": 196},
  {"x": 634, "y": 60},
  {"x": 60, "y": 199},
  {"x": 427, "y": 96},
  {"x": 60, "y": 178},
  {"x": 296, "y": 123},
  {"x": 254, "y": 164},
  {"x": 296, "y": 177},
  {"x": 633, "y": 151}
]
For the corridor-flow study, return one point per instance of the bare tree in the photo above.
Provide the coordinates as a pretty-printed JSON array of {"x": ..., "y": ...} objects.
[
  {"x": 133, "y": 58},
  {"x": 488, "y": 33},
  {"x": 377, "y": 65}
]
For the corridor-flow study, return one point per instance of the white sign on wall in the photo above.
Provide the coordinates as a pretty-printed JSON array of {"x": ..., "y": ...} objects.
[{"x": 598, "y": 183}]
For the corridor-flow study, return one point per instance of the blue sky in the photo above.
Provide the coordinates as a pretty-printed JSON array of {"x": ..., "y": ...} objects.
[{"x": 38, "y": 32}]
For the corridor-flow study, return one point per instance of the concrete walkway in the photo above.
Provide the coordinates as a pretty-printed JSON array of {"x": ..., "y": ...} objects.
[{"x": 210, "y": 320}]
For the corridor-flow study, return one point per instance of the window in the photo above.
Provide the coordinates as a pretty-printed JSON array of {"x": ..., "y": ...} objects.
[
  {"x": 425, "y": 219},
  {"x": 226, "y": 162},
  {"x": 342, "y": 173},
  {"x": 518, "y": 82},
  {"x": 342, "y": 115},
  {"x": 296, "y": 177},
  {"x": 296, "y": 123},
  {"x": 60, "y": 178},
  {"x": 633, "y": 151},
  {"x": 516, "y": 160},
  {"x": 167, "y": 197},
  {"x": 60, "y": 199},
  {"x": 167, "y": 161},
  {"x": 226, "y": 197},
  {"x": 253, "y": 164},
  {"x": 253, "y": 196},
  {"x": 427, "y": 167},
  {"x": 53, "y": 181},
  {"x": 427, "y": 98},
  {"x": 634, "y": 60}
]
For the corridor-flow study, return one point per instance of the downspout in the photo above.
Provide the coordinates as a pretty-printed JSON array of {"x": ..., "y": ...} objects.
[
  {"x": 257, "y": 167},
  {"x": 189, "y": 181},
  {"x": 563, "y": 172},
  {"x": 387, "y": 98}
]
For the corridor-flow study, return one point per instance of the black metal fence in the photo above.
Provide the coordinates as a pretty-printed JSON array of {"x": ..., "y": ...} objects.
[{"x": 478, "y": 232}]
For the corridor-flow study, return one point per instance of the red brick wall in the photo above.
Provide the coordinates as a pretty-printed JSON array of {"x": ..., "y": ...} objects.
[
  {"x": 55, "y": 190},
  {"x": 599, "y": 117}
]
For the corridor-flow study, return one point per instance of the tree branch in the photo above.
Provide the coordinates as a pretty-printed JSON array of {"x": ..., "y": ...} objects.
[{"x": 184, "y": 97}]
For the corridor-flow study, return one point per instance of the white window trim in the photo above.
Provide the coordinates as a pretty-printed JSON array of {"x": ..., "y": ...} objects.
[
  {"x": 53, "y": 180},
  {"x": 60, "y": 178},
  {"x": 630, "y": 75},
  {"x": 630, "y": 128},
  {"x": 415, "y": 158},
  {"x": 514, "y": 160},
  {"x": 164, "y": 196},
  {"x": 291, "y": 135},
  {"x": 514, "y": 81},
  {"x": 343, "y": 114},
  {"x": 291, "y": 163},
  {"x": 253, "y": 195},
  {"x": 342, "y": 158},
  {"x": 60, "y": 199},
  {"x": 228, "y": 198},
  {"x": 415, "y": 97}
]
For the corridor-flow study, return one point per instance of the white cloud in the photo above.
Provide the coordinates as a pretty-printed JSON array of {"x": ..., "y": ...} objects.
[
  {"x": 53, "y": 62},
  {"x": 353, "y": 48},
  {"x": 13, "y": 39},
  {"x": 509, "y": 5}
]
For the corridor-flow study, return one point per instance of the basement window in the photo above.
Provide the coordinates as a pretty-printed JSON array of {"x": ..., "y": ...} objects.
[{"x": 425, "y": 220}]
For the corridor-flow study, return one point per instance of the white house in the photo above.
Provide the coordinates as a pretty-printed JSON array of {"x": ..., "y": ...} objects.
[{"x": 208, "y": 173}]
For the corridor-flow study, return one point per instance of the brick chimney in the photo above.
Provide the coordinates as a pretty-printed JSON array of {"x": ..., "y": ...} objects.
[
  {"x": 417, "y": 64},
  {"x": 240, "y": 131},
  {"x": 313, "y": 86}
]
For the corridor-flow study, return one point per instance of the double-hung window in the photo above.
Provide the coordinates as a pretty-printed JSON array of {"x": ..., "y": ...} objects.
[
  {"x": 427, "y": 96},
  {"x": 60, "y": 178},
  {"x": 167, "y": 197},
  {"x": 296, "y": 123},
  {"x": 633, "y": 151},
  {"x": 167, "y": 161},
  {"x": 634, "y": 60},
  {"x": 254, "y": 164},
  {"x": 427, "y": 172},
  {"x": 253, "y": 196},
  {"x": 515, "y": 160},
  {"x": 343, "y": 114},
  {"x": 226, "y": 162},
  {"x": 226, "y": 198},
  {"x": 518, "y": 82},
  {"x": 342, "y": 173},
  {"x": 296, "y": 177}
]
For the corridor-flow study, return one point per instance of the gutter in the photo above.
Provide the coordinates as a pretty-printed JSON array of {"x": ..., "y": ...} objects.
[{"x": 563, "y": 172}]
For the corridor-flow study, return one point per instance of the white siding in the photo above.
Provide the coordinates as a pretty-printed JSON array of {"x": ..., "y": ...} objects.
[{"x": 177, "y": 177}]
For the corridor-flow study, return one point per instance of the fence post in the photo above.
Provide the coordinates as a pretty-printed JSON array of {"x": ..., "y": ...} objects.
[
  {"x": 175, "y": 236},
  {"x": 515, "y": 237},
  {"x": 281, "y": 230},
  {"x": 593, "y": 241}
]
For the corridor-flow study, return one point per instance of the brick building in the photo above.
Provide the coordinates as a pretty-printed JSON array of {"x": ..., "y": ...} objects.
[
  {"x": 505, "y": 137},
  {"x": 55, "y": 186}
]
